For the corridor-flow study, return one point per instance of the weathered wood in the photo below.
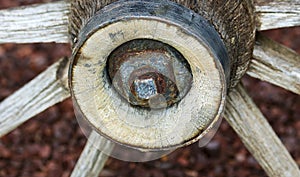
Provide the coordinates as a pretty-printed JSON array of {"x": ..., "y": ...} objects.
[
  {"x": 234, "y": 21},
  {"x": 252, "y": 130},
  {"x": 258, "y": 136},
  {"x": 276, "y": 64},
  {"x": 23, "y": 24},
  {"x": 132, "y": 126},
  {"x": 277, "y": 14},
  {"x": 92, "y": 160},
  {"x": 47, "y": 89},
  {"x": 37, "y": 23}
]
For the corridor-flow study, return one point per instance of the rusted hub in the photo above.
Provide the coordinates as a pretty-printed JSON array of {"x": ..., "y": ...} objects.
[
  {"x": 153, "y": 54},
  {"x": 148, "y": 73}
]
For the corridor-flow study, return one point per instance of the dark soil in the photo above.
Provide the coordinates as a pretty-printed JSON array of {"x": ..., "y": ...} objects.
[{"x": 50, "y": 143}]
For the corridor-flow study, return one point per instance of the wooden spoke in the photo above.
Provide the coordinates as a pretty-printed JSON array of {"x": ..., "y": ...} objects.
[
  {"x": 271, "y": 62},
  {"x": 45, "y": 90},
  {"x": 49, "y": 22},
  {"x": 37, "y": 23},
  {"x": 258, "y": 136},
  {"x": 92, "y": 160},
  {"x": 276, "y": 64},
  {"x": 277, "y": 14}
]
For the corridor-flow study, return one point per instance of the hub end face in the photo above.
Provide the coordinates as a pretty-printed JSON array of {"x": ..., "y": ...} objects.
[{"x": 183, "y": 91}]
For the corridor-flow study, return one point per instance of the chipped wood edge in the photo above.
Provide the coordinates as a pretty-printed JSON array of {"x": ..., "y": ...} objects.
[
  {"x": 276, "y": 64},
  {"x": 92, "y": 160},
  {"x": 277, "y": 14},
  {"x": 47, "y": 89},
  {"x": 36, "y": 23},
  {"x": 258, "y": 136}
]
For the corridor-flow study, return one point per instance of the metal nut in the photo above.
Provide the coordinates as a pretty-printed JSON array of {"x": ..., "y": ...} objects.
[
  {"x": 145, "y": 72},
  {"x": 153, "y": 86}
]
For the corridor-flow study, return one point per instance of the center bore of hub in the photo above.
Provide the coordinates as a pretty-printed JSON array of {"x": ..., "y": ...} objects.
[{"x": 149, "y": 73}]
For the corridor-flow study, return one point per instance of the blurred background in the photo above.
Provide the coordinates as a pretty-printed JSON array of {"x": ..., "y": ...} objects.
[{"x": 50, "y": 143}]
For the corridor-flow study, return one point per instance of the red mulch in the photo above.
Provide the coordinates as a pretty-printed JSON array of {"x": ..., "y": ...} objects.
[{"x": 50, "y": 143}]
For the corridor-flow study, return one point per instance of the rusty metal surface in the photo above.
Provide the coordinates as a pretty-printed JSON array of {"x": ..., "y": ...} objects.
[{"x": 146, "y": 72}]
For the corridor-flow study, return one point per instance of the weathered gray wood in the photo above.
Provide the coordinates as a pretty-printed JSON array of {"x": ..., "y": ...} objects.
[
  {"x": 234, "y": 21},
  {"x": 135, "y": 122},
  {"x": 47, "y": 89},
  {"x": 92, "y": 160},
  {"x": 276, "y": 64},
  {"x": 38, "y": 23},
  {"x": 247, "y": 121},
  {"x": 258, "y": 136},
  {"x": 277, "y": 13},
  {"x": 49, "y": 22}
]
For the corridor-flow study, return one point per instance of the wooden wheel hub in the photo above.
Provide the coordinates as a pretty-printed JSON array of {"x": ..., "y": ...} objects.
[
  {"x": 233, "y": 20},
  {"x": 184, "y": 30}
]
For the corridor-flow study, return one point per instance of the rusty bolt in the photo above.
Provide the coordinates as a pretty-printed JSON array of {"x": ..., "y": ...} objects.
[
  {"x": 149, "y": 73},
  {"x": 155, "y": 88}
]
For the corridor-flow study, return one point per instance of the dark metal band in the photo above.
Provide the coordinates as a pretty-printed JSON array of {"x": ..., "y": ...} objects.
[{"x": 169, "y": 12}]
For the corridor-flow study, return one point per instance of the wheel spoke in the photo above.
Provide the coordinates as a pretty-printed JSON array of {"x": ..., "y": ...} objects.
[
  {"x": 92, "y": 160},
  {"x": 277, "y": 14},
  {"x": 45, "y": 90},
  {"x": 38, "y": 23},
  {"x": 276, "y": 64},
  {"x": 258, "y": 136},
  {"x": 49, "y": 22}
]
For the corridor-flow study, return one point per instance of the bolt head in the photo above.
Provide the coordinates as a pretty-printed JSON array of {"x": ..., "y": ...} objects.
[
  {"x": 145, "y": 89},
  {"x": 150, "y": 87}
]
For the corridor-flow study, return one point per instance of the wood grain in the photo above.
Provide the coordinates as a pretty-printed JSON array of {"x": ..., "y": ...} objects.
[
  {"x": 234, "y": 21},
  {"x": 258, "y": 136},
  {"x": 133, "y": 126},
  {"x": 39, "y": 94},
  {"x": 92, "y": 160},
  {"x": 276, "y": 64},
  {"x": 54, "y": 19},
  {"x": 277, "y": 14},
  {"x": 37, "y": 23}
]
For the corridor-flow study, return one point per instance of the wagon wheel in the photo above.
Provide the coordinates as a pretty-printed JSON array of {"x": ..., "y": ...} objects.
[{"x": 270, "y": 62}]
